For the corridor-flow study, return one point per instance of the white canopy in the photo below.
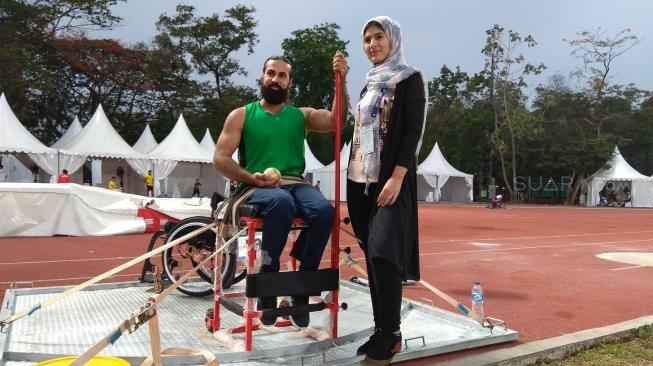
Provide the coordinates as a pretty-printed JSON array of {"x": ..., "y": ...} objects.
[
  {"x": 72, "y": 131},
  {"x": 146, "y": 142},
  {"x": 181, "y": 146},
  {"x": 98, "y": 139},
  {"x": 438, "y": 180},
  {"x": 326, "y": 176},
  {"x": 208, "y": 144},
  {"x": 15, "y": 138},
  {"x": 620, "y": 173},
  {"x": 311, "y": 161}
]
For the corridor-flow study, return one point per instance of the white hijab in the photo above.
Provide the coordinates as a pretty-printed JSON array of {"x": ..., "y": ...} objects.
[
  {"x": 385, "y": 75},
  {"x": 393, "y": 69}
]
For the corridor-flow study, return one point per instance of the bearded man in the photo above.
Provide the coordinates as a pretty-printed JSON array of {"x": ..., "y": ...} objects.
[{"x": 269, "y": 133}]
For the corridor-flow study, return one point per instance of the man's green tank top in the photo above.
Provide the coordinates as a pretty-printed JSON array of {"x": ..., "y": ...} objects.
[{"x": 270, "y": 140}]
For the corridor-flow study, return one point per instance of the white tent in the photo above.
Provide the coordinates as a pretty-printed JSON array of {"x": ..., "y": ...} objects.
[
  {"x": 14, "y": 170},
  {"x": 16, "y": 139},
  {"x": 437, "y": 180},
  {"x": 72, "y": 131},
  {"x": 311, "y": 162},
  {"x": 180, "y": 158},
  {"x": 326, "y": 176},
  {"x": 620, "y": 174},
  {"x": 98, "y": 139},
  {"x": 146, "y": 141},
  {"x": 208, "y": 144}
]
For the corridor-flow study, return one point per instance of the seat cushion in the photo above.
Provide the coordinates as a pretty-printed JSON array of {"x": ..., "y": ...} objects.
[{"x": 249, "y": 210}]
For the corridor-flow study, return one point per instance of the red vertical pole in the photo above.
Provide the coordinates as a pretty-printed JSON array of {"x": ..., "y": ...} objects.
[
  {"x": 335, "y": 233},
  {"x": 249, "y": 312}
]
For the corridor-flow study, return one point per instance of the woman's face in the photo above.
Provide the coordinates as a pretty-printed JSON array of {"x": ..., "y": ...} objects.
[{"x": 376, "y": 44}]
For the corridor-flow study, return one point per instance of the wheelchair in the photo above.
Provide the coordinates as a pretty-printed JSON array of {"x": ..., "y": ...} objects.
[{"x": 185, "y": 256}]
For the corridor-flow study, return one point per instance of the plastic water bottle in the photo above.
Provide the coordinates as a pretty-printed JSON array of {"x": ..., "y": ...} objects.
[{"x": 477, "y": 299}]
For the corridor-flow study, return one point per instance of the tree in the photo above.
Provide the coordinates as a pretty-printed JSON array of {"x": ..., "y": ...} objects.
[
  {"x": 31, "y": 75},
  {"x": 507, "y": 69},
  {"x": 598, "y": 52},
  {"x": 568, "y": 147},
  {"x": 310, "y": 52},
  {"x": 212, "y": 41}
]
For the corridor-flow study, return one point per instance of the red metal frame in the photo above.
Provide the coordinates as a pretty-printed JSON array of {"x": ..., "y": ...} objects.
[{"x": 249, "y": 313}]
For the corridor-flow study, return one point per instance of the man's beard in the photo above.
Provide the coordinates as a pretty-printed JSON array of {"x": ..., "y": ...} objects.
[{"x": 274, "y": 96}]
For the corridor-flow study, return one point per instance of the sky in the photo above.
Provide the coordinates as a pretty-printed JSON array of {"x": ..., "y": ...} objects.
[{"x": 435, "y": 33}]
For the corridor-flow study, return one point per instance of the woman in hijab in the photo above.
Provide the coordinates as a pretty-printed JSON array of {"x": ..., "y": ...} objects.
[{"x": 381, "y": 179}]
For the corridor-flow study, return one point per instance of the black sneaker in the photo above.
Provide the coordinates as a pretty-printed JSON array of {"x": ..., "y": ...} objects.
[
  {"x": 385, "y": 347},
  {"x": 362, "y": 350},
  {"x": 300, "y": 320},
  {"x": 267, "y": 303}
]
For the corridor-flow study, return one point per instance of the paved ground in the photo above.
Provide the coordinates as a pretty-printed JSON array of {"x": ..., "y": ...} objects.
[{"x": 538, "y": 265}]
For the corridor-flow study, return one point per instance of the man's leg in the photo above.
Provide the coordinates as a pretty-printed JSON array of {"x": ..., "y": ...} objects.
[
  {"x": 277, "y": 218},
  {"x": 318, "y": 214}
]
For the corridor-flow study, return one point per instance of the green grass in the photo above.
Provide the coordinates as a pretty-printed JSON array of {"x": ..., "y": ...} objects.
[{"x": 637, "y": 351}]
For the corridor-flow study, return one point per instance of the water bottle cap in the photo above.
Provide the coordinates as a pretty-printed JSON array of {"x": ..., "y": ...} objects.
[{"x": 477, "y": 282}]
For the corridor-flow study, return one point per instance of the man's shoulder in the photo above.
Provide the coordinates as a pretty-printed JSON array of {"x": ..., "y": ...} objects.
[{"x": 238, "y": 114}]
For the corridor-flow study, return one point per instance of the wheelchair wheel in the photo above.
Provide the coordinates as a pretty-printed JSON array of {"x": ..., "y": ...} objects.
[{"x": 183, "y": 257}]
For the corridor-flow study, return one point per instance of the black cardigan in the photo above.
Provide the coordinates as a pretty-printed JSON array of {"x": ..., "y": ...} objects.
[{"x": 399, "y": 148}]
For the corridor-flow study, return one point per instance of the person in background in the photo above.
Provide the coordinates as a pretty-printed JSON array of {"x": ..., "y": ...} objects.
[
  {"x": 317, "y": 185},
  {"x": 3, "y": 175},
  {"x": 382, "y": 180},
  {"x": 495, "y": 202},
  {"x": 196, "y": 188},
  {"x": 113, "y": 183},
  {"x": 149, "y": 183},
  {"x": 63, "y": 177}
]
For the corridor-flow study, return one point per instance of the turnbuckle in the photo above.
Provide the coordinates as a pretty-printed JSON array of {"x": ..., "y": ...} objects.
[
  {"x": 4, "y": 326},
  {"x": 140, "y": 317},
  {"x": 496, "y": 326}
]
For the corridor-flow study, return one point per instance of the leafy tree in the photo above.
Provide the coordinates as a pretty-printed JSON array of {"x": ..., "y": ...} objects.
[
  {"x": 310, "y": 52},
  {"x": 108, "y": 73},
  {"x": 212, "y": 41},
  {"x": 568, "y": 146},
  {"x": 507, "y": 69},
  {"x": 598, "y": 52},
  {"x": 32, "y": 75}
]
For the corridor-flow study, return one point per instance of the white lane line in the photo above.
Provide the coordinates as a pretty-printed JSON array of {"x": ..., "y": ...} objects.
[
  {"x": 622, "y": 268},
  {"x": 535, "y": 237},
  {"x": 529, "y": 247},
  {"x": 480, "y": 244},
  {"x": 66, "y": 260},
  {"x": 64, "y": 279}
]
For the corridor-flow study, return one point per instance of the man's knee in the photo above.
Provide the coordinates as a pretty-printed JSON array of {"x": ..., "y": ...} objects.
[
  {"x": 281, "y": 203},
  {"x": 324, "y": 212}
]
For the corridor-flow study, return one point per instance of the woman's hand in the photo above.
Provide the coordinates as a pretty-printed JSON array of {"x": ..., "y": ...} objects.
[{"x": 390, "y": 191}]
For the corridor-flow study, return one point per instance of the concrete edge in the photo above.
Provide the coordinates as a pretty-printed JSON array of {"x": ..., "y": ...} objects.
[{"x": 553, "y": 348}]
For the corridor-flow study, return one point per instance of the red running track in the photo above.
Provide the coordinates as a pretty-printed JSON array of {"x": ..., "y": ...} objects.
[{"x": 537, "y": 264}]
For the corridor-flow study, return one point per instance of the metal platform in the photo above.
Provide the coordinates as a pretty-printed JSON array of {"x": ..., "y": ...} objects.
[{"x": 76, "y": 323}]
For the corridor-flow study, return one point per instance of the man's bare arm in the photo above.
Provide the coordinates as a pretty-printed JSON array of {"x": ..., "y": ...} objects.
[{"x": 227, "y": 144}]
